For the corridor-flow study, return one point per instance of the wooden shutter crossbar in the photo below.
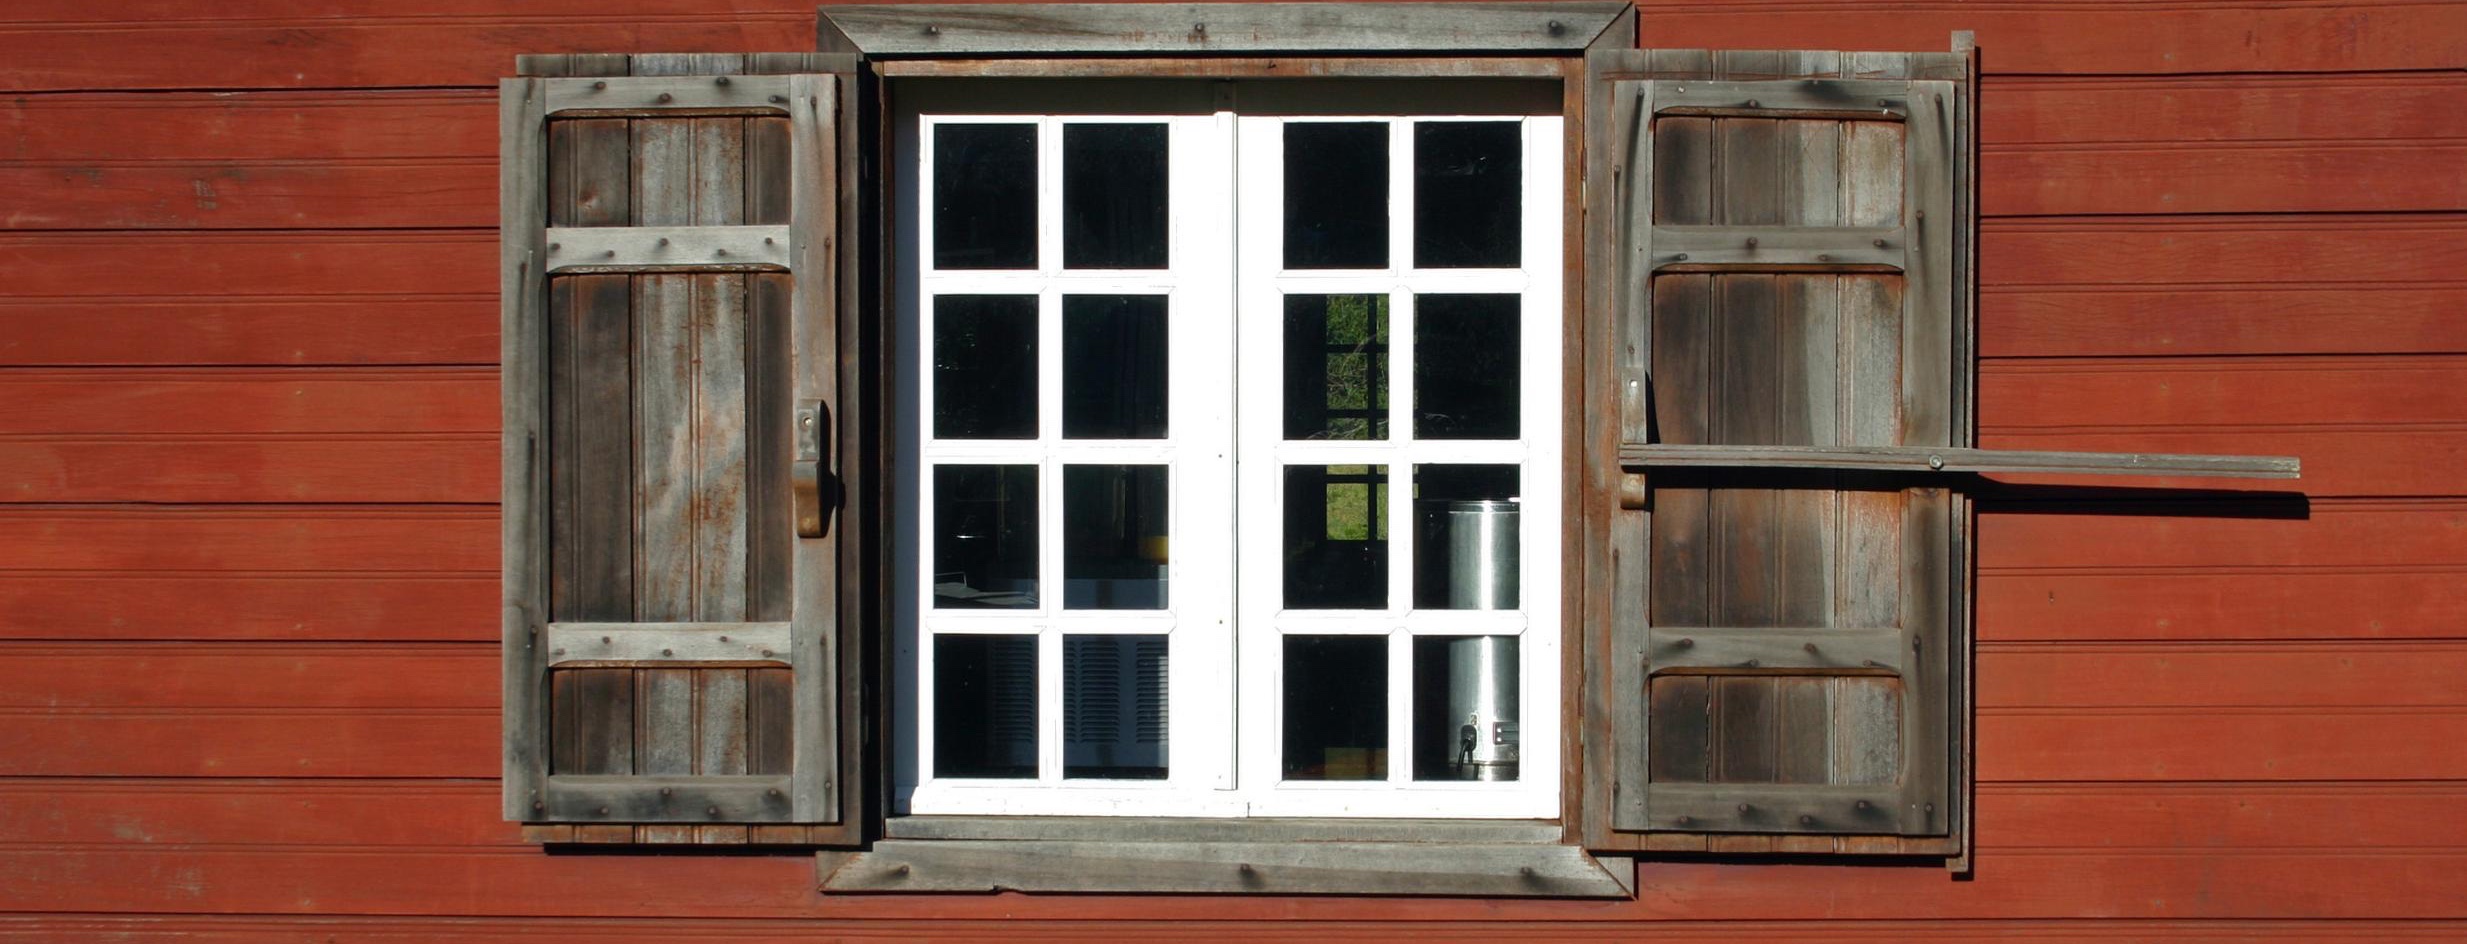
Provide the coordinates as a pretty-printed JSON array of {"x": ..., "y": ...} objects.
[
  {"x": 680, "y": 799},
  {"x": 1850, "y": 99},
  {"x": 656, "y": 643},
  {"x": 667, "y": 95},
  {"x": 579, "y": 249},
  {"x": 1831, "y": 652},
  {"x": 1932, "y": 459},
  {"x": 1852, "y": 809},
  {"x": 1829, "y": 248}
]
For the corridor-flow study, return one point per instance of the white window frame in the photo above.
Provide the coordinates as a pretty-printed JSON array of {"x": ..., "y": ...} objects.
[{"x": 1222, "y": 768}]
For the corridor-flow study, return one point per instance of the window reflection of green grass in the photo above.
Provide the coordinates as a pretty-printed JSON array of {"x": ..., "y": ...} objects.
[
  {"x": 1357, "y": 393},
  {"x": 1357, "y": 500}
]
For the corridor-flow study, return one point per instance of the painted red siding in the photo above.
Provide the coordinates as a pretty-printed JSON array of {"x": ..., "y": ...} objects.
[{"x": 248, "y": 544}]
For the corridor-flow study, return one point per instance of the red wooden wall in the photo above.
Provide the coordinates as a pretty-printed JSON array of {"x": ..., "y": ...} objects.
[{"x": 248, "y": 542}]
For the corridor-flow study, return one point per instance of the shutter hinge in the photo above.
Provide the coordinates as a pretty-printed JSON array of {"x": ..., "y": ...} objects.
[{"x": 805, "y": 474}]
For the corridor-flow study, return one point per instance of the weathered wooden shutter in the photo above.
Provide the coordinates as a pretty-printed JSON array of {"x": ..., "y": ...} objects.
[
  {"x": 1785, "y": 240},
  {"x": 675, "y": 296},
  {"x": 1791, "y": 260}
]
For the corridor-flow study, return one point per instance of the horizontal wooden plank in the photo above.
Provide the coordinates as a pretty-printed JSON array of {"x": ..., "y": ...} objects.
[
  {"x": 610, "y": 248},
  {"x": 1301, "y": 868},
  {"x": 2221, "y": 536},
  {"x": 251, "y": 127},
  {"x": 242, "y": 742},
  {"x": 242, "y": 329},
  {"x": 435, "y": 540},
  {"x": 649, "y": 95},
  {"x": 1202, "y": 28},
  {"x": 2058, "y": 38},
  {"x": 263, "y": 467},
  {"x": 667, "y": 642},
  {"x": 2370, "y": 175},
  {"x": 1867, "y": 247},
  {"x": 2330, "y": 603},
  {"x": 170, "y": 194},
  {"x": 2222, "y": 674},
  {"x": 2091, "y": 319},
  {"x": 2221, "y": 251},
  {"x": 2339, "y": 461},
  {"x": 297, "y": 604},
  {"x": 139, "y": 675},
  {"x": 1872, "y": 99},
  {"x": 1948, "y": 459},
  {"x": 2167, "y": 744},
  {"x": 270, "y": 882},
  {"x": 439, "y": 813},
  {"x": 2221, "y": 108},
  {"x": 2016, "y": 394},
  {"x": 1231, "y": 924},
  {"x": 234, "y": 400}
]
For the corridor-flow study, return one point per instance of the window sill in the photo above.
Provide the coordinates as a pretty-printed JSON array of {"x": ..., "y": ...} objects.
[{"x": 1455, "y": 858}]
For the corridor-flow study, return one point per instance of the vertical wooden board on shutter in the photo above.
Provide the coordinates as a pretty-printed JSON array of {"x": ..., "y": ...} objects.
[{"x": 674, "y": 639}]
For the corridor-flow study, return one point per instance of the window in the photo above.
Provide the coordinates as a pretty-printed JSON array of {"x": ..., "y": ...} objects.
[
  {"x": 1218, "y": 497},
  {"x": 1188, "y": 437}
]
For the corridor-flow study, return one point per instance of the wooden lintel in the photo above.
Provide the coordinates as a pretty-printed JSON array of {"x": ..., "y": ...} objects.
[
  {"x": 1193, "y": 29},
  {"x": 1928, "y": 459},
  {"x": 1279, "y": 67},
  {"x": 1494, "y": 870}
]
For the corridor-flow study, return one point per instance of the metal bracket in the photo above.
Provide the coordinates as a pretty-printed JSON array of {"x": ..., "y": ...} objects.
[{"x": 805, "y": 474}]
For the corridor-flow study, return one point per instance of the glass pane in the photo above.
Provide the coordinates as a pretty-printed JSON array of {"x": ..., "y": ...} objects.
[
  {"x": 1464, "y": 707},
  {"x": 1465, "y": 537},
  {"x": 985, "y": 706},
  {"x": 1336, "y": 537},
  {"x": 1113, "y": 196},
  {"x": 1336, "y": 195},
  {"x": 1465, "y": 366},
  {"x": 1336, "y": 707},
  {"x": 985, "y": 367},
  {"x": 985, "y": 536},
  {"x": 1468, "y": 194},
  {"x": 985, "y": 196},
  {"x": 1113, "y": 367},
  {"x": 1336, "y": 367},
  {"x": 1113, "y": 537},
  {"x": 1113, "y": 707}
]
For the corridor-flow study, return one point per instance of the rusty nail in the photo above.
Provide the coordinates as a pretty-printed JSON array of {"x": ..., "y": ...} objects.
[
  {"x": 610, "y": 254},
  {"x": 1870, "y": 663},
  {"x": 1805, "y": 820},
  {"x": 663, "y": 240},
  {"x": 603, "y": 811},
  {"x": 1824, "y": 257},
  {"x": 666, "y": 98},
  {"x": 902, "y": 870},
  {"x": 558, "y": 652},
  {"x": 537, "y": 805},
  {"x": 1922, "y": 214},
  {"x": 664, "y": 791},
  {"x": 1883, "y": 103},
  {"x": 1199, "y": 27},
  {"x": 1930, "y": 807},
  {"x": 768, "y": 241},
  {"x": 668, "y": 652},
  {"x": 603, "y": 640},
  {"x": 599, "y": 86},
  {"x": 1685, "y": 820},
  {"x": 722, "y": 80},
  {"x": 766, "y": 653},
  {"x": 1809, "y": 648},
  {"x": 779, "y": 99},
  {"x": 711, "y": 811},
  {"x": 1752, "y": 103},
  {"x": 1744, "y": 807},
  {"x": 1751, "y": 663},
  {"x": 1861, "y": 805},
  {"x": 1751, "y": 242},
  {"x": 1526, "y": 871},
  {"x": 719, "y": 252},
  {"x": 723, "y": 639},
  {"x": 1681, "y": 257},
  {"x": 553, "y": 247},
  {"x": 1557, "y": 27},
  {"x": 1686, "y": 643},
  {"x": 1880, "y": 244},
  {"x": 932, "y": 30},
  {"x": 1245, "y": 868},
  {"x": 774, "y": 791}
]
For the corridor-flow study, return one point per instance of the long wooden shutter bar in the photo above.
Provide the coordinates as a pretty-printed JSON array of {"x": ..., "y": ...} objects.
[
  {"x": 671, "y": 627},
  {"x": 1922, "y": 459}
]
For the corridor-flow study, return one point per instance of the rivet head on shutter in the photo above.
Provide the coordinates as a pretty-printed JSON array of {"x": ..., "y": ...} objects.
[
  {"x": 599, "y": 86},
  {"x": 1860, "y": 805},
  {"x": 1880, "y": 244},
  {"x": 1751, "y": 242},
  {"x": 779, "y": 99},
  {"x": 774, "y": 791},
  {"x": 1685, "y": 820},
  {"x": 723, "y": 639},
  {"x": 668, "y": 652},
  {"x": 722, "y": 80},
  {"x": 1824, "y": 257},
  {"x": 1745, "y": 807},
  {"x": 664, "y": 791},
  {"x": 1805, "y": 820},
  {"x": 1752, "y": 103},
  {"x": 712, "y": 811},
  {"x": 1681, "y": 257},
  {"x": 932, "y": 30},
  {"x": 603, "y": 811},
  {"x": 1557, "y": 27},
  {"x": 665, "y": 98},
  {"x": 1685, "y": 643}
]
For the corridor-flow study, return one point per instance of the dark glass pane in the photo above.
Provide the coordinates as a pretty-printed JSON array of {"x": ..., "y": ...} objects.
[
  {"x": 1113, "y": 707},
  {"x": 1465, "y": 366},
  {"x": 1113, "y": 196},
  {"x": 1336, "y": 195},
  {"x": 985, "y": 706},
  {"x": 1336, "y": 367},
  {"x": 1113, "y": 367},
  {"x": 1336, "y": 707},
  {"x": 1468, "y": 194},
  {"x": 985, "y": 367},
  {"x": 985, "y": 196},
  {"x": 1466, "y": 530},
  {"x": 985, "y": 536},
  {"x": 1336, "y": 537},
  {"x": 1464, "y": 708},
  {"x": 1113, "y": 537}
]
